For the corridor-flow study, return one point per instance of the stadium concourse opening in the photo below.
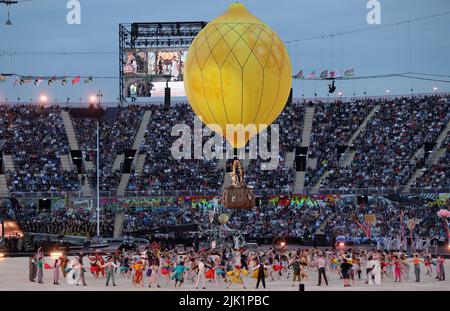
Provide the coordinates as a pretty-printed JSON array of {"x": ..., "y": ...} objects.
[{"x": 92, "y": 195}]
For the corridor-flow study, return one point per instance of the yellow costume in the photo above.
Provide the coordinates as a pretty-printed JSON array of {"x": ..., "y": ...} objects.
[{"x": 235, "y": 276}]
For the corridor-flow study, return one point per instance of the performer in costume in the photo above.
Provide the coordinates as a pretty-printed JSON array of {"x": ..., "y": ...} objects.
[
  {"x": 63, "y": 264},
  {"x": 235, "y": 276},
  {"x": 69, "y": 272},
  {"x": 178, "y": 273},
  {"x": 154, "y": 276},
  {"x": 56, "y": 267},
  {"x": 297, "y": 268},
  {"x": 109, "y": 267},
  {"x": 138, "y": 278},
  {"x": 166, "y": 267},
  {"x": 260, "y": 268},
  {"x": 40, "y": 269},
  {"x": 32, "y": 268}
]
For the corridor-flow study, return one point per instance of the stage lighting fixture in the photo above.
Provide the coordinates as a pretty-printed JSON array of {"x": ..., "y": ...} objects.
[
  {"x": 63, "y": 82},
  {"x": 43, "y": 98},
  {"x": 22, "y": 82},
  {"x": 341, "y": 244},
  {"x": 36, "y": 82},
  {"x": 50, "y": 82},
  {"x": 331, "y": 87}
]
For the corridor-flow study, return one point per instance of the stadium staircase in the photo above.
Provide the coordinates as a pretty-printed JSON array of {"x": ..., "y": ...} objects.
[
  {"x": 119, "y": 218},
  {"x": 363, "y": 125},
  {"x": 139, "y": 158},
  {"x": 86, "y": 187},
  {"x": 349, "y": 154},
  {"x": 289, "y": 161},
  {"x": 70, "y": 132},
  {"x": 142, "y": 129},
  {"x": 299, "y": 182},
  {"x": 432, "y": 159},
  {"x": 9, "y": 163},
  {"x": 8, "y": 166},
  {"x": 118, "y": 162},
  {"x": 440, "y": 149},
  {"x": 324, "y": 223},
  {"x": 3, "y": 186},
  {"x": 307, "y": 126},
  {"x": 66, "y": 162},
  {"x": 306, "y": 137},
  {"x": 140, "y": 161},
  {"x": 123, "y": 184},
  {"x": 413, "y": 178}
]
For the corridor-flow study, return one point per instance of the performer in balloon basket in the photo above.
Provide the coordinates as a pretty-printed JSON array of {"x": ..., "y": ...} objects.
[{"x": 238, "y": 195}]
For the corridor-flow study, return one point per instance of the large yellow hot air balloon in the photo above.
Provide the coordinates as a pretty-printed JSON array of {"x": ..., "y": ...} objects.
[{"x": 237, "y": 72}]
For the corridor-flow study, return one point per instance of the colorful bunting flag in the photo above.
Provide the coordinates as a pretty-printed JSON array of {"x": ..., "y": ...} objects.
[
  {"x": 299, "y": 75},
  {"x": 88, "y": 80},
  {"x": 75, "y": 80},
  {"x": 312, "y": 75},
  {"x": 348, "y": 73}
]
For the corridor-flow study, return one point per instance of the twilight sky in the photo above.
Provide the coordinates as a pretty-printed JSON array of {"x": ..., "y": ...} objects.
[{"x": 41, "y": 26}]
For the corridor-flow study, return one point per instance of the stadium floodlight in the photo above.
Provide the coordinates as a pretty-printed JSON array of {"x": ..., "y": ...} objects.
[
  {"x": 43, "y": 98},
  {"x": 92, "y": 98},
  {"x": 340, "y": 94},
  {"x": 388, "y": 91},
  {"x": 435, "y": 88}
]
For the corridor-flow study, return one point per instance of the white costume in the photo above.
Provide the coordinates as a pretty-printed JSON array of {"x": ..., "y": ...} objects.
[{"x": 73, "y": 274}]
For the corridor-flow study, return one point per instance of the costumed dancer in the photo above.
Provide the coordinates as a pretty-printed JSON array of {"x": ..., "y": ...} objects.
[
  {"x": 201, "y": 274},
  {"x": 138, "y": 278},
  {"x": 440, "y": 264},
  {"x": 63, "y": 264},
  {"x": 178, "y": 274},
  {"x": 109, "y": 267},
  {"x": 40, "y": 269},
  {"x": 346, "y": 267},
  {"x": 297, "y": 269},
  {"x": 154, "y": 276},
  {"x": 97, "y": 263},
  {"x": 56, "y": 267},
  {"x": 81, "y": 270},
  {"x": 166, "y": 267},
  {"x": 397, "y": 269},
  {"x": 261, "y": 274},
  {"x": 235, "y": 276},
  {"x": 32, "y": 268}
]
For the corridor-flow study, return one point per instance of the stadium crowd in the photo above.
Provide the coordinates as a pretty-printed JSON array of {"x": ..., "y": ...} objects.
[
  {"x": 35, "y": 138},
  {"x": 161, "y": 171},
  {"x": 333, "y": 126},
  {"x": 385, "y": 149},
  {"x": 118, "y": 129}
]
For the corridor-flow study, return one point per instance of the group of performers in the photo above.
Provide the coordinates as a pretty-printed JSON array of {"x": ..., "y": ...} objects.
[{"x": 235, "y": 267}]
